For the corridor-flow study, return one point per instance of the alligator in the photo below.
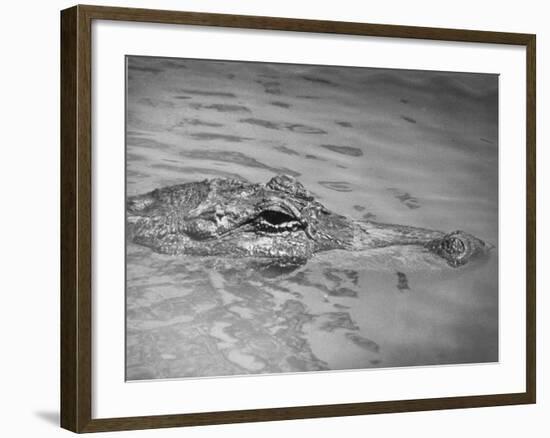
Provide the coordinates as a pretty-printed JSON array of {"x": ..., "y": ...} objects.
[{"x": 279, "y": 220}]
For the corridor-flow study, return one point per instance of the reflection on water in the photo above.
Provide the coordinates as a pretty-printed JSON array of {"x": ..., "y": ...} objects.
[{"x": 407, "y": 147}]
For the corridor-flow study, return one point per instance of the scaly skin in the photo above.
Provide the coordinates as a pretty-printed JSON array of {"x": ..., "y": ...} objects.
[{"x": 278, "y": 220}]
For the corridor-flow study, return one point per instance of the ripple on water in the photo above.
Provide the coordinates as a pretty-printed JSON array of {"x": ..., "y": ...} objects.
[
  {"x": 190, "y": 318},
  {"x": 331, "y": 321},
  {"x": 270, "y": 87},
  {"x": 235, "y": 157},
  {"x": 221, "y": 107},
  {"x": 293, "y": 127},
  {"x": 405, "y": 198},
  {"x": 156, "y": 103},
  {"x": 345, "y": 150},
  {"x": 246, "y": 361},
  {"x": 318, "y": 80},
  {"x": 313, "y": 157},
  {"x": 285, "y": 150},
  {"x": 206, "y": 93},
  {"x": 280, "y": 104},
  {"x": 408, "y": 119},
  {"x": 338, "y": 186},
  {"x": 363, "y": 342},
  {"x": 137, "y": 68},
  {"x": 344, "y": 124},
  {"x": 199, "y": 122},
  {"x": 216, "y": 136},
  {"x": 402, "y": 281},
  {"x": 189, "y": 173}
]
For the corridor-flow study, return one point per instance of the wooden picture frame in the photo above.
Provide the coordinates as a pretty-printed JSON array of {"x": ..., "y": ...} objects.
[{"x": 76, "y": 218}]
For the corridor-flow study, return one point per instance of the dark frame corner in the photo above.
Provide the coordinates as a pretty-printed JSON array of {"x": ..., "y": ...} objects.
[{"x": 76, "y": 173}]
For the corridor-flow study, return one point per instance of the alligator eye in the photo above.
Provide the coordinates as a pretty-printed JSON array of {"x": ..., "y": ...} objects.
[
  {"x": 276, "y": 217},
  {"x": 277, "y": 221}
]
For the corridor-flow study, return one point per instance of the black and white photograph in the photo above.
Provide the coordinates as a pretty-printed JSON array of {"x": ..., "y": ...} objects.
[
  {"x": 275, "y": 219},
  {"x": 286, "y": 218}
]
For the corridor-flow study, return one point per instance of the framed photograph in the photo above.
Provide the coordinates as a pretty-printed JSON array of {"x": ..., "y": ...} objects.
[{"x": 271, "y": 218}]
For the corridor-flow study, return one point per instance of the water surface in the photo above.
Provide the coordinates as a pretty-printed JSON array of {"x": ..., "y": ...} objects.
[{"x": 406, "y": 147}]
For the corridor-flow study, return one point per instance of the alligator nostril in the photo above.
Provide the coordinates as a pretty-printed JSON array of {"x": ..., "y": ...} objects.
[{"x": 455, "y": 246}]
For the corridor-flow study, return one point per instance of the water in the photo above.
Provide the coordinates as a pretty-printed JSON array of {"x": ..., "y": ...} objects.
[{"x": 406, "y": 147}]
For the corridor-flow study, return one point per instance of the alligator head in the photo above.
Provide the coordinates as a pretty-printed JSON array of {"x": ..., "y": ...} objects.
[{"x": 278, "y": 220}]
